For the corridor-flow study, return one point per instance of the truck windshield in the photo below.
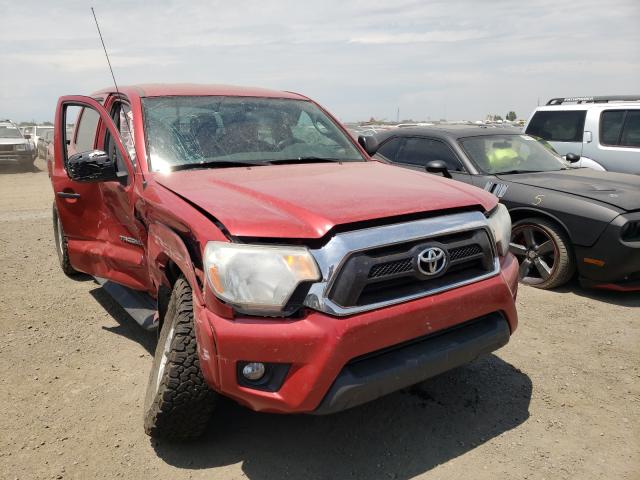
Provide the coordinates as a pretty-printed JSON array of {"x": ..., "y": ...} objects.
[
  {"x": 510, "y": 154},
  {"x": 9, "y": 131},
  {"x": 183, "y": 131}
]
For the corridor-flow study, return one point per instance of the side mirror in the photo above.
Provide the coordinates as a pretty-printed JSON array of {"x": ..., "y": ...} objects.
[
  {"x": 369, "y": 144},
  {"x": 27, "y": 136},
  {"x": 572, "y": 157},
  {"x": 438, "y": 166},
  {"x": 92, "y": 166}
]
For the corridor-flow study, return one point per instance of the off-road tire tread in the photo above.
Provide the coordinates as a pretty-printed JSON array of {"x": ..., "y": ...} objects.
[
  {"x": 63, "y": 259},
  {"x": 567, "y": 262},
  {"x": 183, "y": 404}
]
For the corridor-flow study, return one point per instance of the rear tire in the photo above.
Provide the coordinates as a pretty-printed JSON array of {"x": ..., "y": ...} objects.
[
  {"x": 544, "y": 253},
  {"x": 178, "y": 403},
  {"x": 61, "y": 246}
]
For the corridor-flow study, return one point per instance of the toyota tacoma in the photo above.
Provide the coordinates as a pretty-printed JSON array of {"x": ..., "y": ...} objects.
[{"x": 281, "y": 266}]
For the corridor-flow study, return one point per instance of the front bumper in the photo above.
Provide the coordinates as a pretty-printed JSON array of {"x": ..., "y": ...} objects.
[
  {"x": 380, "y": 373},
  {"x": 318, "y": 347},
  {"x": 611, "y": 262},
  {"x": 16, "y": 157}
]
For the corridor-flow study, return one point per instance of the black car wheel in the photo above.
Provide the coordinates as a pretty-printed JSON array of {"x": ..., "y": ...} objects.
[
  {"x": 543, "y": 251},
  {"x": 178, "y": 403}
]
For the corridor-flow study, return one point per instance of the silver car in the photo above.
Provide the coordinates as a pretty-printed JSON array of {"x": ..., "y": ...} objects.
[{"x": 603, "y": 131}]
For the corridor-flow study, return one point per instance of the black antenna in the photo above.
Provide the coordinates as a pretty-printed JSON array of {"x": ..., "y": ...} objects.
[
  {"x": 105, "y": 51},
  {"x": 126, "y": 118}
]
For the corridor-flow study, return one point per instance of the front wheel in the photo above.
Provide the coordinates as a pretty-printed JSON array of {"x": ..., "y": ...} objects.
[
  {"x": 178, "y": 403},
  {"x": 544, "y": 253},
  {"x": 61, "y": 245}
]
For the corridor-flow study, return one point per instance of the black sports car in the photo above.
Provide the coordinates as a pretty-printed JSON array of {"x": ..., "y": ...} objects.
[{"x": 564, "y": 219}]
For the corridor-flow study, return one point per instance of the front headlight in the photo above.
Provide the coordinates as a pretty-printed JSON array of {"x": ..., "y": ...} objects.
[
  {"x": 257, "y": 278},
  {"x": 20, "y": 148},
  {"x": 500, "y": 224}
]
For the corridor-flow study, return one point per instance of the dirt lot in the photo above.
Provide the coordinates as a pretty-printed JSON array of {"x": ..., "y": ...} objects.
[{"x": 562, "y": 400}]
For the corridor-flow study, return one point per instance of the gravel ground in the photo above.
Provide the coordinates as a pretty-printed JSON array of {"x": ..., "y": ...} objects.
[{"x": 562, "y": 400}]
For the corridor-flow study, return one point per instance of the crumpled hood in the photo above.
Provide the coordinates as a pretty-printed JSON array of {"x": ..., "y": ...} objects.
[
  {"x": 307, "y": 200},
  {"x": 618, "y": 189}
]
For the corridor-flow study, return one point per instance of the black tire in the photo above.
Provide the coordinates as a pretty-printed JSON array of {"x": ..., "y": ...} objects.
[
  {"x": 178, "y": 403},
  {"x": 61, "y": 246},
  {"x": 544, "y": 253}
]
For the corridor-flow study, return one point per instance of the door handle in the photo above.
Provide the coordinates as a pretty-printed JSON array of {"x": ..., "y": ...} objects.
[{"x": 68, "y": 195}]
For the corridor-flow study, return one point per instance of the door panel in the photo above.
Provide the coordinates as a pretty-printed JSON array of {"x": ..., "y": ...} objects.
[{"x": 97, "y": 218}]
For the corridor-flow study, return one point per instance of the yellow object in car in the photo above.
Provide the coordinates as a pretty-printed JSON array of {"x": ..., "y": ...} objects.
[{"x": 502, "y": 158}]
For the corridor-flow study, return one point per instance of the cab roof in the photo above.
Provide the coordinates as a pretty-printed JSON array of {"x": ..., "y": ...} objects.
[{"x": 195, "y": 89}]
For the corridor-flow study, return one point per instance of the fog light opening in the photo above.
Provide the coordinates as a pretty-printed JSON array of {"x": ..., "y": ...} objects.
[{"x": 253, "y": 371}]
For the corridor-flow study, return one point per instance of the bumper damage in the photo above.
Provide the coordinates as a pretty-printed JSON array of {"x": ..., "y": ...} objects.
[{"x": 426, "y": 337}]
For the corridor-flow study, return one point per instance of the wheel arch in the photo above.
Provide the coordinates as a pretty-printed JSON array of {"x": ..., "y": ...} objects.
[
  {"x": 520, "y": 213},
  {"x": 169, "y": 258}
]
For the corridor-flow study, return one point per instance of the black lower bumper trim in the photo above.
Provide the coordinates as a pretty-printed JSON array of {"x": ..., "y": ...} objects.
[{"x": 375, "y": 375}]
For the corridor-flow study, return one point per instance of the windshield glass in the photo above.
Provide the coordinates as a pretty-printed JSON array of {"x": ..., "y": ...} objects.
[
  {"x": 9, "y": 131},
  {"x": 185, "y": 130},
  {"x": 42, "y": 130},
  {"x": 510, "y": 154}
]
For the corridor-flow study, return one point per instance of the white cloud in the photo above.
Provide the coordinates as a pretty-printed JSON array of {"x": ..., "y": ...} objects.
[
  {"x": 77, "y": 60},
  {"x": 424, "y": 37},
  {"x": 358, "y": 57}
]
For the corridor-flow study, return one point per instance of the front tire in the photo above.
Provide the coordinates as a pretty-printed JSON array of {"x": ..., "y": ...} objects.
[
  {"x": 178, "y": 403},
  {"x": 544, "y": 253}
]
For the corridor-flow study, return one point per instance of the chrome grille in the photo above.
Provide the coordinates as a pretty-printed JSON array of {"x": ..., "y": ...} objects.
[{"x": 375, "y": 267}]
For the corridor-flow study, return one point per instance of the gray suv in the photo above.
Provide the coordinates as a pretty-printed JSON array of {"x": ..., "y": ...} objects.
[
  {"x": 603, "y": 131},
  {"x": 15, "y": 148}
]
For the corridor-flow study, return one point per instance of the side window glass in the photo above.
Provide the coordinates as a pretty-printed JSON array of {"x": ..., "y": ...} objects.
[
  {"x": 125, "y": 125},
  {"x": 611, "y": 126},
  {"x": 86, "y": 130},
  {"x": 420, "y": 151},
  {"x": 560, "y": 126},
  {"x": 389, "y": 149},
  {"x": 631, "y": 132},
  {"x": 121, "y": 116}
]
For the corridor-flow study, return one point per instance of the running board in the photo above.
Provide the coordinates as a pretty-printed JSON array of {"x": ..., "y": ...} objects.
[{"x": 140, "y": 306}]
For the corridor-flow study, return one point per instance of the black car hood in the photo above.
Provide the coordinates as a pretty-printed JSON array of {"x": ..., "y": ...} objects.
[{"x": 618, "y": 189}]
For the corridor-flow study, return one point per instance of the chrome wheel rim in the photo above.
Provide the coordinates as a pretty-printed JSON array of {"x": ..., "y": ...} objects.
[
  {"x": 536, "y": 252},
  {"x": 166, "y": 348},
  {"x": 60, "y": 238}
]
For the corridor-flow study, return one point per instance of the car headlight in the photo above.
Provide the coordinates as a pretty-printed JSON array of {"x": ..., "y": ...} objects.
[
  {"x": 500, "y": 224},
  {"x": 257, "y": 278},
  {"x": 20, "y": 148}
]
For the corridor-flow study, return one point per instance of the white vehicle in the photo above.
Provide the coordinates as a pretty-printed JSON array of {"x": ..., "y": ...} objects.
[
  {"x": 36, "y": 131},
  {"x": 603, "y": 131}
]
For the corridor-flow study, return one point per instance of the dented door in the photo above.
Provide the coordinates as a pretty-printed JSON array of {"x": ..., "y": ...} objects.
[{"x": 103, "y": 237}]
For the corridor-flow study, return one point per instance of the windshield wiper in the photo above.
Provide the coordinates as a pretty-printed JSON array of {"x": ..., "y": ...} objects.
[
  {"x": 508, "y": 172},
  {"x": 303, "y": 160},
  {"x": 216, "y": 164}
]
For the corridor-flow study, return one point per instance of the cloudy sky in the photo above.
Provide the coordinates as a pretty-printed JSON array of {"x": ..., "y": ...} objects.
[{"x": 359, "y": 58}]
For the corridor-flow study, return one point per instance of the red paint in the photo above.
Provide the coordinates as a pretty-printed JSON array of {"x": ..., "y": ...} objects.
[
  {"x": 287, "y": 201},
  {"x": 251, "y": 202},
  {"x": 318, "y": 346},
  {"x": 618, "y": 288}
]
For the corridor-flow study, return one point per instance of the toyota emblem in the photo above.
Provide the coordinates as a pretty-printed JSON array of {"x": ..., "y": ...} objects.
[{"x": 432, "y": 261}]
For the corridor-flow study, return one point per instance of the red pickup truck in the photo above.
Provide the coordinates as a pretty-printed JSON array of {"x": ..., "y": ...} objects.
[{"x": 281, "y": 266}]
